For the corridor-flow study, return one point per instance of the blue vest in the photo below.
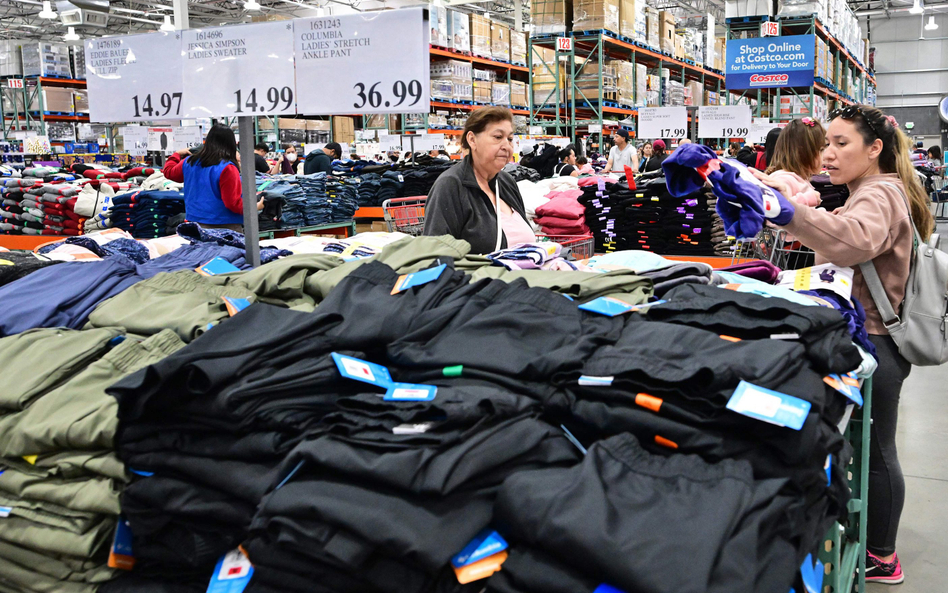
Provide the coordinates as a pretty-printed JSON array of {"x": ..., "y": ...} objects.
[{"x": 202, "y": 195}]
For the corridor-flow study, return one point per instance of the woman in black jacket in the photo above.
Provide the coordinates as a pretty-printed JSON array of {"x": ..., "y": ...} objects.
[{"x": 476, "y": 200}]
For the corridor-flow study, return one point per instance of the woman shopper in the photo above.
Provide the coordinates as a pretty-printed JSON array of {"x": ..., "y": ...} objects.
[
  {"x": 646, "y": 156},
  {"x": 476, "y": 200},
  {"x": 567, "y": 165},
  {"x": 286, "y": 164},
  {"x": 867, "y": 151},
  {"x": 212, "y": 191},
  {"x": 798, "y": 155}
]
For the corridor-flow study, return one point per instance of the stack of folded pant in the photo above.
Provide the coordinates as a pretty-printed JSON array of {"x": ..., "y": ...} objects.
[
  {"x": 121, "y": 216},
  {"x": 342, "y": 196},
  {"x": 152, "y": 211},
  {"x": 390, "y": 186},
  {"x": 418, "y": 181},
  {"x": 369, "y": 187},
  {"x": 317, "y": 209},
  {"x": 687, "y": 224}
]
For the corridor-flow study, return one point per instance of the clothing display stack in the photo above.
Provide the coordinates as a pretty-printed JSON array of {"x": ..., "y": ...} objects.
[
  {"x": 687, "y": 223},
  {"x": 148, "y": 214},
  {"x": 562, "y": 214},
  {"x": 831, "y": 196},
  {"x": 420, "y": 178},
  {"x": 34, "y": 207},
  {"x": 309, "y": 200},
  {"x": 378, "y": 182},
  {"x": 369, "y": 186}
]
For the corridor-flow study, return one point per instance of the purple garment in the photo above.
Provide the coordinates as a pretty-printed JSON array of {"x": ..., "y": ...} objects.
[
  {"x": 853, "y": 312},
  {"x": 758, "y": 270}
]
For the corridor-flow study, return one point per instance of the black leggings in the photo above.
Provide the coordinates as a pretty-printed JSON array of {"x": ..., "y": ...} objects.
[{"x": 886, "y": 484}]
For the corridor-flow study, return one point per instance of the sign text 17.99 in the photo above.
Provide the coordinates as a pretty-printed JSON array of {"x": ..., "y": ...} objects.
[
  {"x": 400, "y": 91},
  {"x": 143, "y": 105},
  {"x": 672, "y": 132},
  {"x": 278, "y": 99}
]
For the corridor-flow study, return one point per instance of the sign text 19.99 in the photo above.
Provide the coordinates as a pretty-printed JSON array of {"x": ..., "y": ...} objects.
[
  {"x": 734, "y": 132},
  {"x": 400, "y": 90},
  {"x": 278, "y": 99},
  {"x": 167, "y": 100}
]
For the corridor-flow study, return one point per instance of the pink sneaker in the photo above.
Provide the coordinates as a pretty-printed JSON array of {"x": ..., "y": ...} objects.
[{"x": 887, "y": 573}]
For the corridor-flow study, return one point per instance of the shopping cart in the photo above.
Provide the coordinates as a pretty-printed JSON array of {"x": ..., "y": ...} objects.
[
  {"x": 776, "y": 246},
  {"x": 581, "y": 246},
  {"x": 405, "y": 215}
]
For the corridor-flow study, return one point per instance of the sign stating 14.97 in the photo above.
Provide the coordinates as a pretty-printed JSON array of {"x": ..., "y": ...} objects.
[
  {"x": 327, "y": 48},
  {"x": 134, "y": 78}
]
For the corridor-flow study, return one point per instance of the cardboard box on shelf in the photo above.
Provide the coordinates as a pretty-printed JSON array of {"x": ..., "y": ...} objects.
[
  {"x": 442, "y": 89},
  {"x": 625, "y": 84},
  {"x": 551, "y": 16},
  {"x": 641, "y": 84},
  {"x": 518, "y": 93},
  {"x": 518, "y": 47},
  {"x": 451, "y": 70},
  {"x": 459, "y": 31},
  {"x": 679, "y": 47},
  {"x": 546, "y": 93},
  {"x": 666, "y": 30},
  {"x": 463, "y": 91},
  {"x": 438, "y": 18},
  {"x": 480, "y": 36},
  {"x": 500, "y": 42},
  {"x": 343, "y": 129},
  {"x": 80, "y": 100},
  {"x": 593, "y": 15},
  {"x": 289, "y": 123},
  {"x": 483, "y": 91},
  {"x": 653, "y": 19},
  {"x": 696, "y": 90},
  {"x": 500, "y": 93},
  {"x": 320, "y": 125},
  {"x": 55, "y": 99}
]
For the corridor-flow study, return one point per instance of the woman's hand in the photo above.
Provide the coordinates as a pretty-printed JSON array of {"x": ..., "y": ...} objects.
[
  {"x": 769, "y": 181},
  {"x": 184, "y": 152},
  {"x": 259, "y": 204}
]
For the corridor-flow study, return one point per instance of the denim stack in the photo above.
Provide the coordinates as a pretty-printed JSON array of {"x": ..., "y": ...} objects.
[
  {"x": 342, "y": 195},
  {"x": 294, "y": 200},
  {"x": 316, "y": 209}
]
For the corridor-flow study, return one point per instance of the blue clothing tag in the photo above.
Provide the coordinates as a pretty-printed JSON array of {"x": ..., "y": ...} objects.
[
  {"x": 418, "y": 278},
  {"x": 122, "y": 544},
  {"x": 232, "y": 573},
  {"x": 769, "y": 406},
  {"x": 590, "y": 381},
  {"x": 235, "y": 305},
  {"x": 116, "y": 341},
  {"x": 408, "y": 392},
  {"x": 5, "y": 511},
  {"x": 848, "y": 385},
  {"x": 829, "y": 470},
  {"x": 567, "y": 296},
  {"x": 216, "y": 266},
  {"x": 572, "y": 438},
  {"x": 607, "y": 306},
  {"x": 604, "y": 588},
  {"x": 812, "y": 574},
  {"x": 486, "y": 543},
  {"x": 141, "y": 473},
  {"x": 362, "y": 370}
]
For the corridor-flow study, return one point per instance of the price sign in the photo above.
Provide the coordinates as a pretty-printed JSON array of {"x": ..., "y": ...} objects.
[
  {"x": 731, "y": 121},
  {"x": 536, "y": 130},
  {"x": 595, "y": 128},
  {"x": 388, "y": 143},
  {"x": 426, "y": 142},
  {"x": 239, "y": 70},
  {"x": 759, "y": 129},
  {"x": 15, "y": 83},
  {"x": 662, "y": 122},
  {"x": 391, "y": 50},
  {"x": 134, "y": 78},
  {"x": 160, "y": 139},
  {"x": 187, "y": 137},
  {"x": 564, "y": 43},
  {"x": 135, "y": 139}
]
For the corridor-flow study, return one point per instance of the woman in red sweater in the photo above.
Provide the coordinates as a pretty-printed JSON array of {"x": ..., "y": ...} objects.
[{"x": 212, "y": 190}]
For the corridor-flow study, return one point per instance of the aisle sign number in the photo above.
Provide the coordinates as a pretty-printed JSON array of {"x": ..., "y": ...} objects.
[
  {"x": 238, "y": 70},
  {"x": 732, "y": 121},
  {"x": 564, "y": 43},
  {"x": 769, "y": 29},
  {"x": 662, "y": 122},
  {"x": 366, "y": 63},
  {"x": 134, "y": 78},
  {"x": 15, "y": 83}
]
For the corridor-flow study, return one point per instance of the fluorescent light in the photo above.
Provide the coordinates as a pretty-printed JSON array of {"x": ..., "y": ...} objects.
[
  {"x": 932, "y": 25},
  {"x": 917, "y": 8},
  {"x": 166, "y": 26},
  {"x": 252, "y": 5},
  {"x": 47, "y": 12},
  {"x": 71, "y": 35}
]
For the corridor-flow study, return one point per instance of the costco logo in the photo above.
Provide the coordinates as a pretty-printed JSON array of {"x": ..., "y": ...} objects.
[{"x": 769, "y": 79}]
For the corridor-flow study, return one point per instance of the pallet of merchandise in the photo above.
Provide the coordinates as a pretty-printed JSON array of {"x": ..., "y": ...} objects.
[
  {"x": 748, "y": 19},
  {"x": 50, "y": 75}
]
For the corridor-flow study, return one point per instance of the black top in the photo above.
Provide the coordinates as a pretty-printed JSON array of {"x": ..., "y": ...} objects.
[
  {"x": 261, "y": 164},
  {"x": 563, "y": 169},
  {"x": 457, "y": 206},
  {"x": 317, "y": 161},
  {"x": 654, "y": 162}
]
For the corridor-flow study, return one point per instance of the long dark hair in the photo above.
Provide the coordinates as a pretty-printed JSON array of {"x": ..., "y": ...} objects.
[{"x": 219, "y": 146}]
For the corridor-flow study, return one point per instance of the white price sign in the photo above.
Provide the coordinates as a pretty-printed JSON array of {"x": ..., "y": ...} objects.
[
  {"x": 388, "y": 143},
  {"x": 135, "y": 139},
  {"x": 160, "y": 139},
  {"x": 426, "y": 142},
  {"x": 239, "y": 70},
  {"x": 187, "y": 137},
  {"x": 374, "y": 62},
  {"x": 536, "y": 130},
  {"x": 731, "y": 121},
  {"x": 662, "y": 122},
  {"x": 134, "y": 78},
  {"x": 595, "y": 128},
  {"x": 759, "y": 129}
]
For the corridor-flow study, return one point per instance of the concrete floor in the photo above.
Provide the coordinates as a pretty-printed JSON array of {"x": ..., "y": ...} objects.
[{"x": 923, "y": 451}]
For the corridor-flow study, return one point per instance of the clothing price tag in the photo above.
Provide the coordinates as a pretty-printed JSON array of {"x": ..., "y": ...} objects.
[
  {"x": 408, "y": 392},
  {"x": 160, "y": 139},
  {"x": 121, "y": 556},
  {"x": 419, "y": 428},
  {"x": 486, "y": 543},
  {"x": 407, "y": 281},
  {"x": 759, "y": 129},
  {"x": 848, "y": 385},
  {"x": 480, "y": 570},
  {"x": 607, "y": 306},
  {"x": 426, "y": 142},
  {"x": 726, "y": 121},
  {"x": 536, "y": 130},
  {"x": 186, "y": 137},
  {"x": 235, "y": 305},
  {"x": 591, "y": 381},
  {"x": 222, "y": 67},
  {"x": 362, "y": 370},
  {"x": 769, "y": 406},
  {"x": 217, "y": 266},
  {"x": 390, "y": 143},
  {"x": 374, "y": 62},
  {"x": 135, "y": 139},
  {"x": 662, "y": 122},
  {"x": 134, "y": 78},
  {"x": 5, "y": 512},
  {"x": 604, "y": 588},
  {"x": 812, "y": 574},
  {"x": 232, "y": 573}
]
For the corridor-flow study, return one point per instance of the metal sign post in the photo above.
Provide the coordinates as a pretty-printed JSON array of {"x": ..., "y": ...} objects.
[{"x": 248, "y": 179}]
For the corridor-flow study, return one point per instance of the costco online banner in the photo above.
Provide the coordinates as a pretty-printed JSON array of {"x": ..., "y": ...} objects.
[{"x": 770, "y": 62}]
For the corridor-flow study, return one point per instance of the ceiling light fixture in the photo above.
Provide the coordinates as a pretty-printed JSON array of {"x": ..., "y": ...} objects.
[
  {"x": 71, "y": 34},
  {"x": 47, "y": 12},
  {"x": 932, "y": 25},
  {"x": 252, "y": 5},
  {"x": 917, "y": 8},
  {"x": 167, "y": 26}
]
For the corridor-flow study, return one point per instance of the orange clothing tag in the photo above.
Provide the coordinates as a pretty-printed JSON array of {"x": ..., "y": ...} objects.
[
  {"x": 480, "y": 569},
  {"x": 398, "y": 284},
  {"x": 730, "y": 338},
  {"x": 665, "y": 442},
  {"x": 649, "y": 402},
  {"x": 121, "y": 561}
]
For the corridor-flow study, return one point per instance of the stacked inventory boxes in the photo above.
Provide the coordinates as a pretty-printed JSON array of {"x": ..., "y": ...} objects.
[
  {"x": 592, "y": 15},
  {"x": 46, "y": 59},
  {"x": 653, "y": 27},
  {"x": 518, "y": 93},
  {"x": 459, "y": 31},
  {"x": 451, "y": 80},
  {"x": 666, "y": 31},
  {"x": 625, "y": 84},
  {"x": 551, "y": 16},
  {"x": 587, "y": 81},
  {"x": 500, "y": 93},
  {"x": 500, "y": 42},
  {"x": 480, "y": 36},
  {"x": 439, "y": 26},
  {"x": 518, "y": 48}
]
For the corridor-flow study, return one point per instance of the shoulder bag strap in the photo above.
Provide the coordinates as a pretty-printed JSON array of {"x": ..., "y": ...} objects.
[{"x": 869, "y": 273}]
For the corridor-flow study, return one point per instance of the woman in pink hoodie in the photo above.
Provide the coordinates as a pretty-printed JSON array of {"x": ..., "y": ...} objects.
[{"x": 797, "y": 157}]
